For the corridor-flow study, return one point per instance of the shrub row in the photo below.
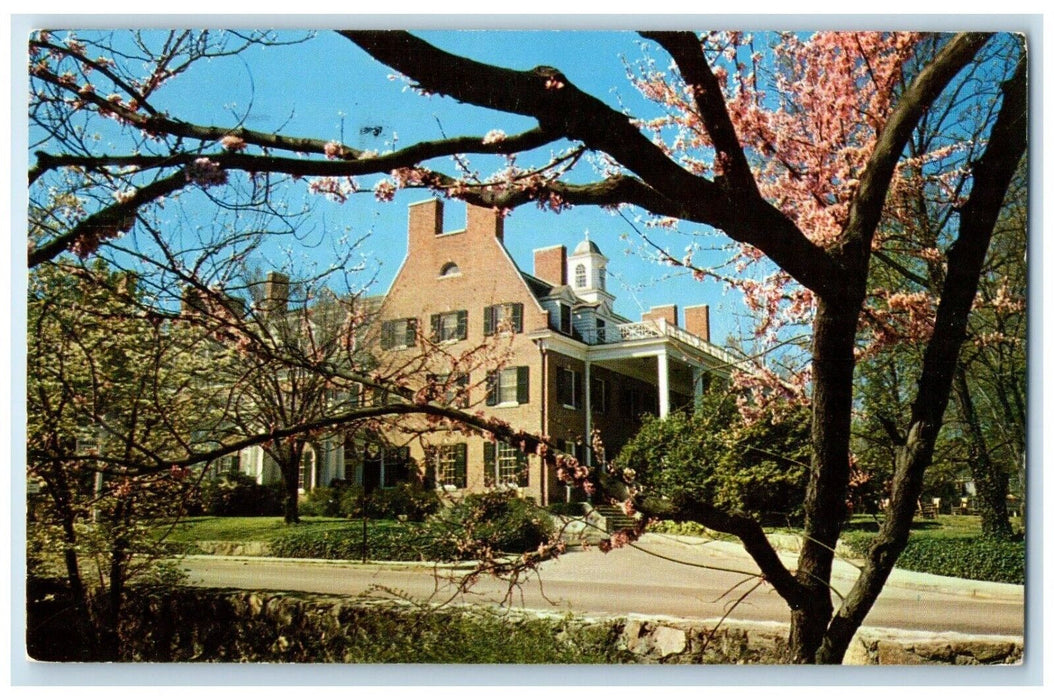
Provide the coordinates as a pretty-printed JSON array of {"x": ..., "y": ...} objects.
[
  {"x": 235, "y": 495},
  {"x": 977, "y": 558},
  {"x": 343, "y": 500},
  {"x": 464, "y": 530}
]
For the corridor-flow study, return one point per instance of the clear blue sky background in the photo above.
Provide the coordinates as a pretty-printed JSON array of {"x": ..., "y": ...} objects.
[{"x": 328, "y": 88}]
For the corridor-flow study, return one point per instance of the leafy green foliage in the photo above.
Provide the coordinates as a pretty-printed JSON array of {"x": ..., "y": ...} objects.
[
  {"x": 407, "y": 500},
  {"x": 496, "y": 521},
  {"x": 977, "y": 558},
  {"x": 713, "y": 456},
  {"x": 478, "y": 525},
  {"x": 240, "y": 495}
]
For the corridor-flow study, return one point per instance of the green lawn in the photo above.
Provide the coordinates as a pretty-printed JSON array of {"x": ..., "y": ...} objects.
[
  {"x": 942, "y": 526},
  {"x": 260, "y": 529}
]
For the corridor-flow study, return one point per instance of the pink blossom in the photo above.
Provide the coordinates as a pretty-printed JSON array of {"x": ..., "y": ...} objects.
[
  {"x": 206, "y": 173},
  {"x": 494, "y": 136},
  {"x": 233, "y": 143},
  {"x": 333, "y": 150}
]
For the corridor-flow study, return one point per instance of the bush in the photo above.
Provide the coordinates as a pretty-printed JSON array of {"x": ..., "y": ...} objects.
[
  {"x": 712, "y": 456},
  {"x": 977, "y": 558},
  {"x": 409, "y": 500},
  {"x": 477, "y": 525},
  {"x": 497, "y": 521},
  {"x": 573, "y": 510},
  {"x": 323, "y": 501},
  {"x": 239, "y": 495},
  {"x": 672, "y": 527}
]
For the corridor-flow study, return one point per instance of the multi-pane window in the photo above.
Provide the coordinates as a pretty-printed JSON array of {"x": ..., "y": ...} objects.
[
  {"x": 601, "y": 331},
  {"x": 452, "y": 390},
  {"x": 601, "y": 277},
  {"x": 452, "y": 325},
  {"x": 580, "y": 275},
  {"x": 399, "y": 333},
  {"x": 508, "y": 386},
  {"x": 598, "y": 398},
  {"x": 504, "y": 465},
  {"x": 568, "y": 387},
  {"x": 503, "y": 317},
  {"x": 450, "y": 465}
]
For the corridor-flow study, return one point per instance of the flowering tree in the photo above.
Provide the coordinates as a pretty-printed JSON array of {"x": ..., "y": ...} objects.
[
  {"x": 794, "y": 154},
  {"x": 821, "y": 239},
  {"x": 111, "y": 392}
]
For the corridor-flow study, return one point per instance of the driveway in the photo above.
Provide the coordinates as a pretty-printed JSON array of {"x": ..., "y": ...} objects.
[{"x": 660, "y": 576}]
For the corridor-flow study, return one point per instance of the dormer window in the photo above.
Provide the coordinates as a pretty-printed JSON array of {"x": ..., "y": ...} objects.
[
  {"x": 580, "y": 276},
  {"x": 449, "y": 270}
]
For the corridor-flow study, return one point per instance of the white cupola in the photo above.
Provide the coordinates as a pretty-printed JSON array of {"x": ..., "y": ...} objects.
[{"x": 587, "y": 272}]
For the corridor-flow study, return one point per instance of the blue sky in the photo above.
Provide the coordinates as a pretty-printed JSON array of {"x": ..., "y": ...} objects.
[{"x": 328, "y": 88}]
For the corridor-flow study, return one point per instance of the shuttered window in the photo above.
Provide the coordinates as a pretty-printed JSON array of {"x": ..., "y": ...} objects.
[
  {"x": 399, "y": 333},
  {"x": 504, "y": 465},
  {"x": 451, "y": 465},
  {"x": 503, "y": 317},
  {"x": 508, "y": 386},
  {"x": 449, "y": 326}
]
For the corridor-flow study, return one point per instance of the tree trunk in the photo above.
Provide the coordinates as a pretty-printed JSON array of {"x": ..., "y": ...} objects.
[
  {"x": 111, "y": 632},
  {"x": 291, "y": 505},
  {"x": 993, "y": 482},
  {"x": 834, "y": 334},
  {"x": 992, "y": 175},
  {"x": 60, "y": 493}
]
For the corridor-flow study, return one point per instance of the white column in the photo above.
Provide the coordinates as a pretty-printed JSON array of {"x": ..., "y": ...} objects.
[
  {"x": 664, "y": 384},
  {"x": 587, "y": 389}
]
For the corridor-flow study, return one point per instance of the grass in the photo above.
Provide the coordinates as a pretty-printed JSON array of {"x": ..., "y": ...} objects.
[
  {"x": 261, "y": 529},
  {"x": 943, "y": 526}
]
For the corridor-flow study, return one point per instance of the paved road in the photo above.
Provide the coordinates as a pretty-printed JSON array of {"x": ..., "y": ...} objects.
[{"x": 664, "y": 576}]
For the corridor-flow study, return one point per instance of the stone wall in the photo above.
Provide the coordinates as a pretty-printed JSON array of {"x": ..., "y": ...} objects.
[{"x": 191, "y": 624}]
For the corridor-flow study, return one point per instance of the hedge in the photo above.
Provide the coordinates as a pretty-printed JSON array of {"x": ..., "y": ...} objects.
[
  {"x": 493, "y": 522},
  {"x": 977, "y": 558}
]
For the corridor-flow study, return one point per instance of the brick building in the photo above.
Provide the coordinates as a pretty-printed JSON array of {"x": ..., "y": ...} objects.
[{"x": 561, "y": 362}]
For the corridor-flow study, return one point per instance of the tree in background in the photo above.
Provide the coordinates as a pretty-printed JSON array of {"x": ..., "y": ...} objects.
[
  {"x": 712, "y": 458},
  {"x": 111, "y": 393}
]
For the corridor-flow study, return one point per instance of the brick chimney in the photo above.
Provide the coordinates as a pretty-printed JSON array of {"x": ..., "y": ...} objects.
[
  {"x": 485, "y": 221},
  {"x": 668, "y": 312},
  {"x": 425, "y": 223},
  {"x": 697, "y": 321},
  {"x": 550, "y": 265}
]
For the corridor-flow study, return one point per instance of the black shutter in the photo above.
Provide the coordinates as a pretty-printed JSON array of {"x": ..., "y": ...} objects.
[
  {"x": 517, "y": 317},
  {"x": 460, "y": 465},
  {"x": 488, "y": 320},
  {"x": 522, "y": 385},
  {"x": 489, "y": 471},
  {"x": 462, "y": 325},
  {"x": 461, "y": 391},
  {"x": 578, "y": 390},
  {"x": 492, "y": 389},
  {"x": 435, "y": 327},
  {"x": 411, "y": 332}
]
